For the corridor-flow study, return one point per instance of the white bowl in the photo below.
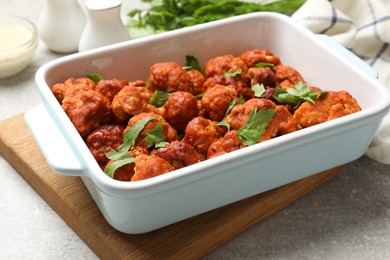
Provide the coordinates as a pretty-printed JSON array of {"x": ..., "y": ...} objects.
[
  {"x": 138, "y": 207},
  {"x": 18, "y": 41}
]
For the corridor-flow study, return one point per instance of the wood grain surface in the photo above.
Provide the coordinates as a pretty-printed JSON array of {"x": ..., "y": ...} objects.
[{"x": 188, "y": 239}]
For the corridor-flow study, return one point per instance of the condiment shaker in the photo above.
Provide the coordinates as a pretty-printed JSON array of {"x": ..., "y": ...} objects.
[
  {"x": 104, "y": 25},
  {"x": 61, "y": 24}
]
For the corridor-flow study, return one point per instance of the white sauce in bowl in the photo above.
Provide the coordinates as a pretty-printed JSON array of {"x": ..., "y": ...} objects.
[{"x": 17, "y": 44}]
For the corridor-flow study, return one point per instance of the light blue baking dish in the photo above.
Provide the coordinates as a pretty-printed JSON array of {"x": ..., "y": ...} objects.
[{"x": 143, "y": 206}]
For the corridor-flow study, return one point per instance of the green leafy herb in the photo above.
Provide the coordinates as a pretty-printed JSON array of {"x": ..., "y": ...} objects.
[
  {"x": 254, "y": 127},
  {"x": 132, "y": 133},
  {"x": 259, "y": 89},
  {"x": 95, "y": 77},
  {"x": 193, "y": 63},
  {"x": 297, "y": 94},
  {"x": 224, "y": 123},
  {"x": 233, "y": 74},
  {"x": 155, "y": 137},
  {"x": 264, "y": 65},
  {"x": 166, "y": 15},
  {"x": 199, "y": 96},
  {"x": 234, "y": 102},
  {"x": 159, "y": 98},
  {"x": 121, "y": 155},
  {"x": 110, "y": 169}
]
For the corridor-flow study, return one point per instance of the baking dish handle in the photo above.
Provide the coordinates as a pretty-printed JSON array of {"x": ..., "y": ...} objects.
[
  {"x": 349, "y": 55},
  {"x": 51, "y": 142}
]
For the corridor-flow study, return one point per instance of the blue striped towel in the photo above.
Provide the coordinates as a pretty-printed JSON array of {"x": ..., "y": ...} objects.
[{"x": 363, "y": 27}]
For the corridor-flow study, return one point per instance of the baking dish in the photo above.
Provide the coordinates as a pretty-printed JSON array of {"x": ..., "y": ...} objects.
[{"x": 143, "y": 206}]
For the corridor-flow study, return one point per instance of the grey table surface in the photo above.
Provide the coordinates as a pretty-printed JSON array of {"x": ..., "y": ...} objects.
[{"x": 346, "y": 218}]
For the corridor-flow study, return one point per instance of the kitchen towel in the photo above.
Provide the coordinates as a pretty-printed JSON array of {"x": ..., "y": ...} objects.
[{"x": 363, "y": 27}]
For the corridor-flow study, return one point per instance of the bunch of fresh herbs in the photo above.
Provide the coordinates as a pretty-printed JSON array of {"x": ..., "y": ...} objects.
[{"x": 166, "y": 15}]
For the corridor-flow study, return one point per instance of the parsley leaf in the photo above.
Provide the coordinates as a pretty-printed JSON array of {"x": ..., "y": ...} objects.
[
  {"x": 233, "y": 74},
  {"x": 297, "y": 94},
  {"x": 259, "y": 89},
  {"x": 193, "y": 63},
  {"x": 224, "y": 123},
  {"x": 159, "y": 98},
  {"x": 199, "y": 96},
  {"x": 235, "y": 101},
  {"x": 264, "y": 65},
  {"x": 132, "y": 133},
  {"x": 121, "y": 155},
  {"x": 110, "y": 169},
  {"x": 94, "y": 77},
  {"x": 155, "y": 137},
  {"x": 254, "y": 127}
]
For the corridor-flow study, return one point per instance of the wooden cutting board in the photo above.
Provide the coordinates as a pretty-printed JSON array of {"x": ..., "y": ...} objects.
[{"x": 189, "y": 239}]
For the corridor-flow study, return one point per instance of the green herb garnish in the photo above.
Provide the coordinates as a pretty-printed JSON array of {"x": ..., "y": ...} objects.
[
  {"x": 297, "y": 94},
  {"x": 199, "y": 96},
  {"x": 259, "y": 89},
  {"x": 235, "y": 101},
  {"x": 159, "y": 98},
  {"x": 121, "y": 155},
  {"x": 193, "y": 63},
  {"x": 233, "y": 74},
  {"x": 264, "y": 65},
  {"x": 155, "y": 137},
  {"x": 94, "y": 77},
  {"x": 110, "y": 169},
  {"x": 166, "y": 15},
  {"x": 254, "y": 127},
  {"x": 224, "y": 123}
]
